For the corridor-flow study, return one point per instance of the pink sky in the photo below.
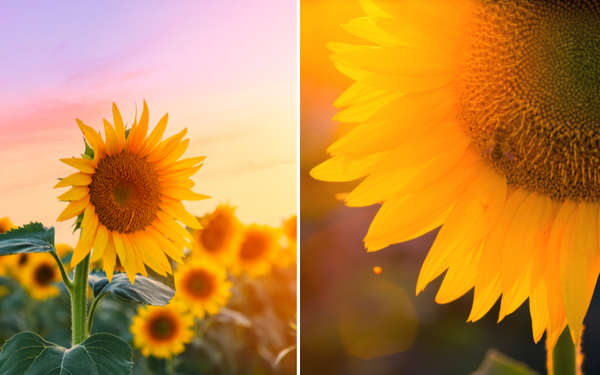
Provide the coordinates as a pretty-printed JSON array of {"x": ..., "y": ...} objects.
[{"x": 226, "y": 70}]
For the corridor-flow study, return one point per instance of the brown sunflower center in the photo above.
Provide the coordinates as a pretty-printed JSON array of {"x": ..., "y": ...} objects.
[
  {"x": 254, "y": 246},
  {"x": 199, "y": 283},
  {"x": 125, "y": 192},
  {"x": 162, "y": 327},
  {"x": 214, "y": 235},
  {"x": 23, "y": 259},
  {"x": 44, "y": 274},
  {"x": 529, "y": 86}
]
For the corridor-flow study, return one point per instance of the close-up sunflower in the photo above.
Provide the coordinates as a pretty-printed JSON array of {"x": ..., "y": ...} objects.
[
  {"x": 256, "y": 251},
  {"x": 481, "y": 117},
  {"x": 220, "y": 235},
  {"x": 129, "y": 193},
  {"x": 287, "y": 253},
  {"x": 40, "y": 277},
  {"x": 162, "y": 331},
  {"x": 202, "y": 286}
]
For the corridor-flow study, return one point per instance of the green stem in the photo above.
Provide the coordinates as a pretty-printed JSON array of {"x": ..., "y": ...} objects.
[
  {"x": 90, "y": 318},
  {"x": 63, "y": 273},
  {"x": 79, "y": 301},
  {"x": 170, "y": 366},
  {"x": 564, "y": 355}
]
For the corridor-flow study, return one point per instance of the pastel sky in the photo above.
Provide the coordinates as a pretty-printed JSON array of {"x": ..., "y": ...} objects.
[{"x": 226, "y": 70}]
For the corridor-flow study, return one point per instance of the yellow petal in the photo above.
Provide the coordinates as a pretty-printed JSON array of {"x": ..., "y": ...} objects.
[
  {"x": 183, "y": 194},
  {"x": 109, "y": 259},
  {"x": 403, "y": 118},
  {"x": 165, "y": 148},
  {"x": 167, "y": 246},
  {"x": 74, "y": 208},
  {"x": 347, "y": 167},
  {"x": 183, "y": 164},
  {"x": 76, "y": 179},
  {"x": 84, "y": 165},
  {"x": 75, "y": 193},
  {"x": 119, "y": 127},
  {"x": 150, "y": 257},
  {"x": 405, "y": 218},
  {"x": 179, "y": 173},
  {"x": 100, "y": 243},
  {"x": 555, "y": 300},
  {"x": 177, "y": 211},
  {"x": 154, "y": 251},
  {"x": 112, "y": 141},
  {"x": 579, "y": 264},
  {"x": 538, "y": 308},
  {"x": 183, "y": 183},
  {"x": 460, "y": 277},
  {"x": 172, "y": 234},
  {"x": 141, "y": 130},
  {"x": 530, "y": 224},
  {"x": 171, "y": 223},
  {"x": 94, "y": 139},
  {"x": 154, "y": 137},
  {"x": 172, "y": 157},
  {"x": 434, "y": 153},
  {"x": 475, "y": 213},
  {"x": 515, "y": 296},
  {"x": 130, "y": 258},
  {"x": 487, "y": 284}
]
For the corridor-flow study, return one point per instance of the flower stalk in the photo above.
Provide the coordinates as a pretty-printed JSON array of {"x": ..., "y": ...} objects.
[
  {"x": 79, "y": 301},
  {"x": 563, "y": 359}
]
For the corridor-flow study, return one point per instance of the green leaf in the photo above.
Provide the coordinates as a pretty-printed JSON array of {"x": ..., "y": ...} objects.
[
  {"x": 145, "y": 290},
  {"x": 101, "y": 354},
  {"x": 496, "y": 363},
  {"x": 89, "y": 152},
  {"x": 30, "y": 238},
  {"x": 169, "y": 280}
]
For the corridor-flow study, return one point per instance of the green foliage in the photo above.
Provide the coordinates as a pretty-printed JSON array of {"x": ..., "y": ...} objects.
[
  {"x": 145, "y": 290},
  {"x": 168, "y": 280},
  {"x": 30, "y": 238},
  {"x": 89, "y": 153},
  {"x": 101, "y": 354},
  {"x": 496, "y": 363}
]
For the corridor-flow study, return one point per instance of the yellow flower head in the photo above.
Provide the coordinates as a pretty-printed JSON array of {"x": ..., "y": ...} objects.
[
  {"x": 130, "y": 195},
  {"x": 202, "y": 286},
  {"x": 162, "y": 331},
  {"x": 286, "y": 255},
  {"x": 39, "y": 277},
  {"x": 480, "y": 116},
  {"x": 6, "y": 225},
  {"x": 220, "y": 235},
  {"x": 255, "y": 254}
]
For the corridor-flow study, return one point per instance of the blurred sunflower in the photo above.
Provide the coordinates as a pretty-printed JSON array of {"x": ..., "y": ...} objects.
[
  {"x": 202, "y": 286},
  {"x": 220, "y": 235},
  {"x": 256, "y": 252},
  {"x": 5, "y": 261},
  {"x": 162, "y": 331},
  {"x": 286, "y": 256},
  {"x": 63, "y": 249},
  {"x": 39, "y": 277},
  {"x": 482, "y": 116},
  {"x": 129, "y": 194}
]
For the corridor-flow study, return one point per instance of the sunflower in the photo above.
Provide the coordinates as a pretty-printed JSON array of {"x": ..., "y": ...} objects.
[
  {"x": 220, "y": 235},
  {"x": 202, "y": 286},
  {"x": 287, "y": 254},
  {"x": 129, "y": 195},
  {"x": 162, "y": 331},
  {"x": 39, "y": 276},
  {"x": 482, "y": 116},
  {"x": 257, "y": 250},
  {"x": 5, "y": 261}
]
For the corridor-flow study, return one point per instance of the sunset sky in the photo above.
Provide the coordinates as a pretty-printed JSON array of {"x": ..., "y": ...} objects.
[{"x": 226, "y": 70}]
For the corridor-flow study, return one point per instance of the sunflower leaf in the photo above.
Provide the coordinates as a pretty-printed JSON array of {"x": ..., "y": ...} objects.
[
  {"x": 30, "y": 238},
  {"x": 496, "y": 363},
  {"x": 145, "y": 290},
  {"x": 168, "y": 280},
  {"x": 101, "y": 354}
]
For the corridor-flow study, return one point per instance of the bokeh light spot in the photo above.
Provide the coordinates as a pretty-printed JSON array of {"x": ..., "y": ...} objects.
[
  {"x": 379, "y": 320},
  {"x": 377, "y": 270}
]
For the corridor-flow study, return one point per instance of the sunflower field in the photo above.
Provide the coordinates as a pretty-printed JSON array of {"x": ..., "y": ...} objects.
[{"x": 234, "y": 310}]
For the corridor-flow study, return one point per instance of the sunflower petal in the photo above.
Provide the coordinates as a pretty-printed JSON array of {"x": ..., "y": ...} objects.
[
  {"x": 84, "y": 165},
  {"x": 74, "y": 208}
]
